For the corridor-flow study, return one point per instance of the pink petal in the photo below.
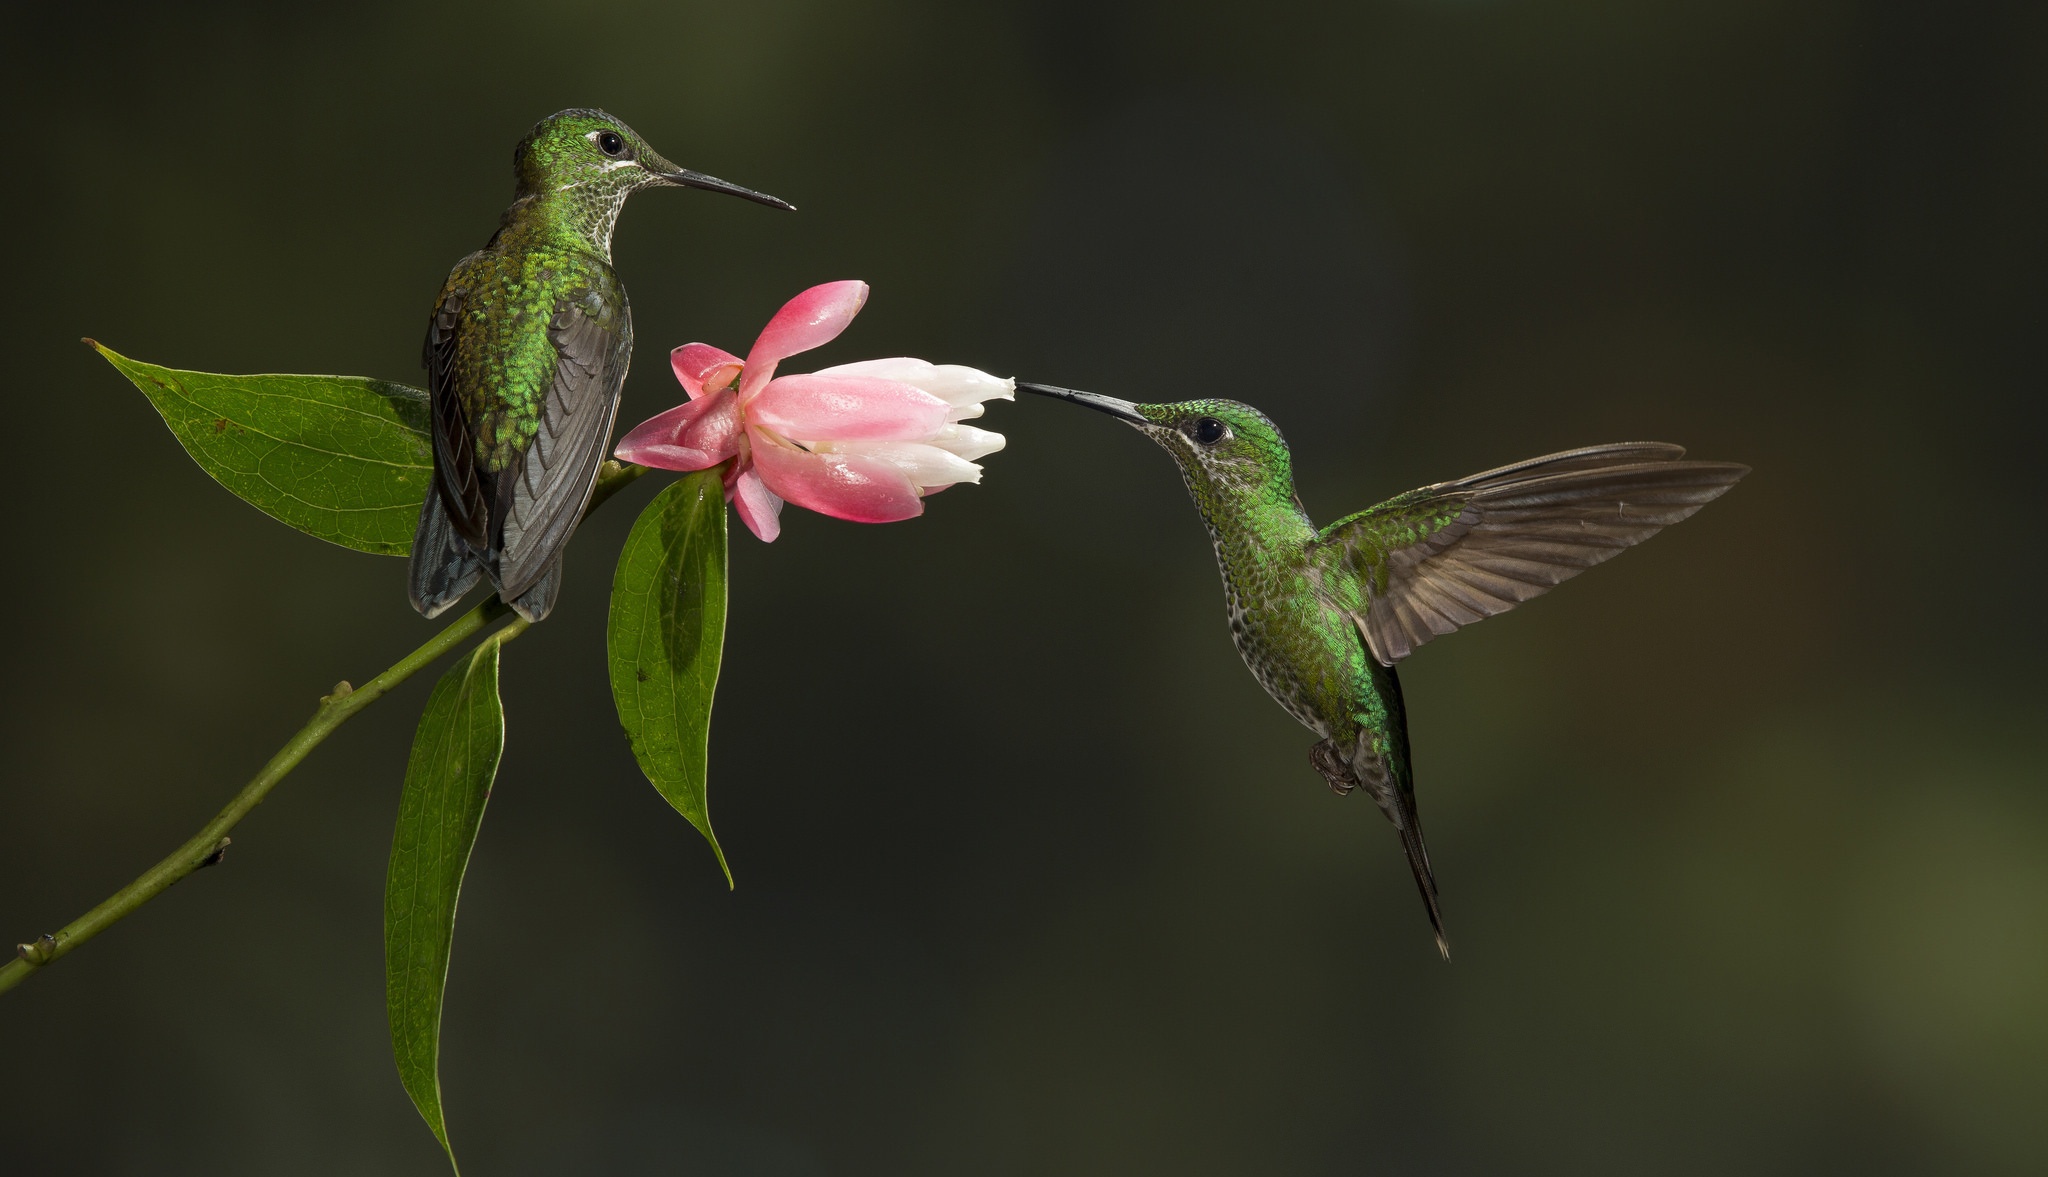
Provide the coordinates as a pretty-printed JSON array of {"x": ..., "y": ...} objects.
[
  {"x": 695, "y": 435},
  {"x": 698, "y": 365},
  {"x": 844, "y": 486},
  {"x": 847, "y": 408},
  {"x": 925, "y": 465},
  {"x": 963, "y": 388},
  {"x": 809, "y": 320},
  {"x": 758, "y": 507}
]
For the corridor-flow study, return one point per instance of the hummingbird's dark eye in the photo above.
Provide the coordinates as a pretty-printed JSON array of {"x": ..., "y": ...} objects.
[
  {"x": 610, "y": 143},
  {"x": 1209, "y": 431}
]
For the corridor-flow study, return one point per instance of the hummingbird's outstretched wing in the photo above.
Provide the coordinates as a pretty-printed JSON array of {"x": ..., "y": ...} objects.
[
  {"x": 1447, "y": 555},
  {"x": 540, "y": 497}
]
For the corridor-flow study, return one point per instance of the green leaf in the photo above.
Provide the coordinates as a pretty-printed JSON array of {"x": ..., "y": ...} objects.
[
  {"x": 342, "y": 458},
  {"x": 447, "y": 781},
  {"x": 666, "y": 637}
]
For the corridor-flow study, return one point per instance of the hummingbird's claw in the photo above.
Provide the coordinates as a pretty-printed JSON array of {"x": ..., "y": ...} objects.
[{"x": 1334, "y": 767}]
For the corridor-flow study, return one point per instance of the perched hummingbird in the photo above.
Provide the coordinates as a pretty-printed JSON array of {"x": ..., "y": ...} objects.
[
  {"x": 526, "y": 351},
  {"x": 1322, "y": 616}
]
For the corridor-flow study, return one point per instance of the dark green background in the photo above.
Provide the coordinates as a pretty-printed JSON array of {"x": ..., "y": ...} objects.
[{"x": 1743, "y": 838}]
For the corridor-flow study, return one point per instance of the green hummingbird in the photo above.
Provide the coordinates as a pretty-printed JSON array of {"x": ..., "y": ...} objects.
[
  {"x": 526, "y": 352},
  {"x": 1321, "y": 616}
]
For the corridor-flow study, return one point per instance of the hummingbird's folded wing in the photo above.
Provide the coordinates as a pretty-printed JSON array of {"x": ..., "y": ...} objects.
[
  {"x": 455, "y": 474},
  {"x": 1447, "y": 555},
  {"x": 545, "y": 494}
]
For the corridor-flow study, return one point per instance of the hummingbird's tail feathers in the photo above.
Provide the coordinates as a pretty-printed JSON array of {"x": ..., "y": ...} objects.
[
  {"x": 539, "y": 599},
  {"x": 1398, "y": 803},
  {"x": 1410, "y": 830},
  {"x": 1379, "y": 761},
  {"x": 1445, "y": 556},
  {"x": 443, "y": 566},
  {"x": 1385, "y": 779}
]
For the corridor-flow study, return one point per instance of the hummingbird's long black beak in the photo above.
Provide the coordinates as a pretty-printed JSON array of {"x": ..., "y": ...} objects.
[
  {"x": 690, "y": 179},
  {"x": 1120, "y": 409}
]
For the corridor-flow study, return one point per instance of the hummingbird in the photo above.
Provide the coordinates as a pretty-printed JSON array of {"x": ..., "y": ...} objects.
[
  {"x": 526, "y": 351},
  {"x": 1323, "y": 615}
]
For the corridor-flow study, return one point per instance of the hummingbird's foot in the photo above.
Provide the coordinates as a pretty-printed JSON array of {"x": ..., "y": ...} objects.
[{"x": 1334, "y": 766}]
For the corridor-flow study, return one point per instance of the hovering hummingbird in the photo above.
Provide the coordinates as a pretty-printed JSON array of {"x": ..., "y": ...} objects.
[
  {"x": 526, "y": 351},
  {"x": 1322, "y": 616}
]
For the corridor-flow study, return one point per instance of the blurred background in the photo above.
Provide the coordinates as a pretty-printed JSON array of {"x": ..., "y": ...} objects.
[{"x": 1743, "y": 837}]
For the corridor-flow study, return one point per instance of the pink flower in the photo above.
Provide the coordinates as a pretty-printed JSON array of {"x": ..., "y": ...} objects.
[{"x": 863, "y": 441}]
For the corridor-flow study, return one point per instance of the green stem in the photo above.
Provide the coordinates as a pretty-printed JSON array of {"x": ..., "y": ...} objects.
[{"x": 207, "y": 846}]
